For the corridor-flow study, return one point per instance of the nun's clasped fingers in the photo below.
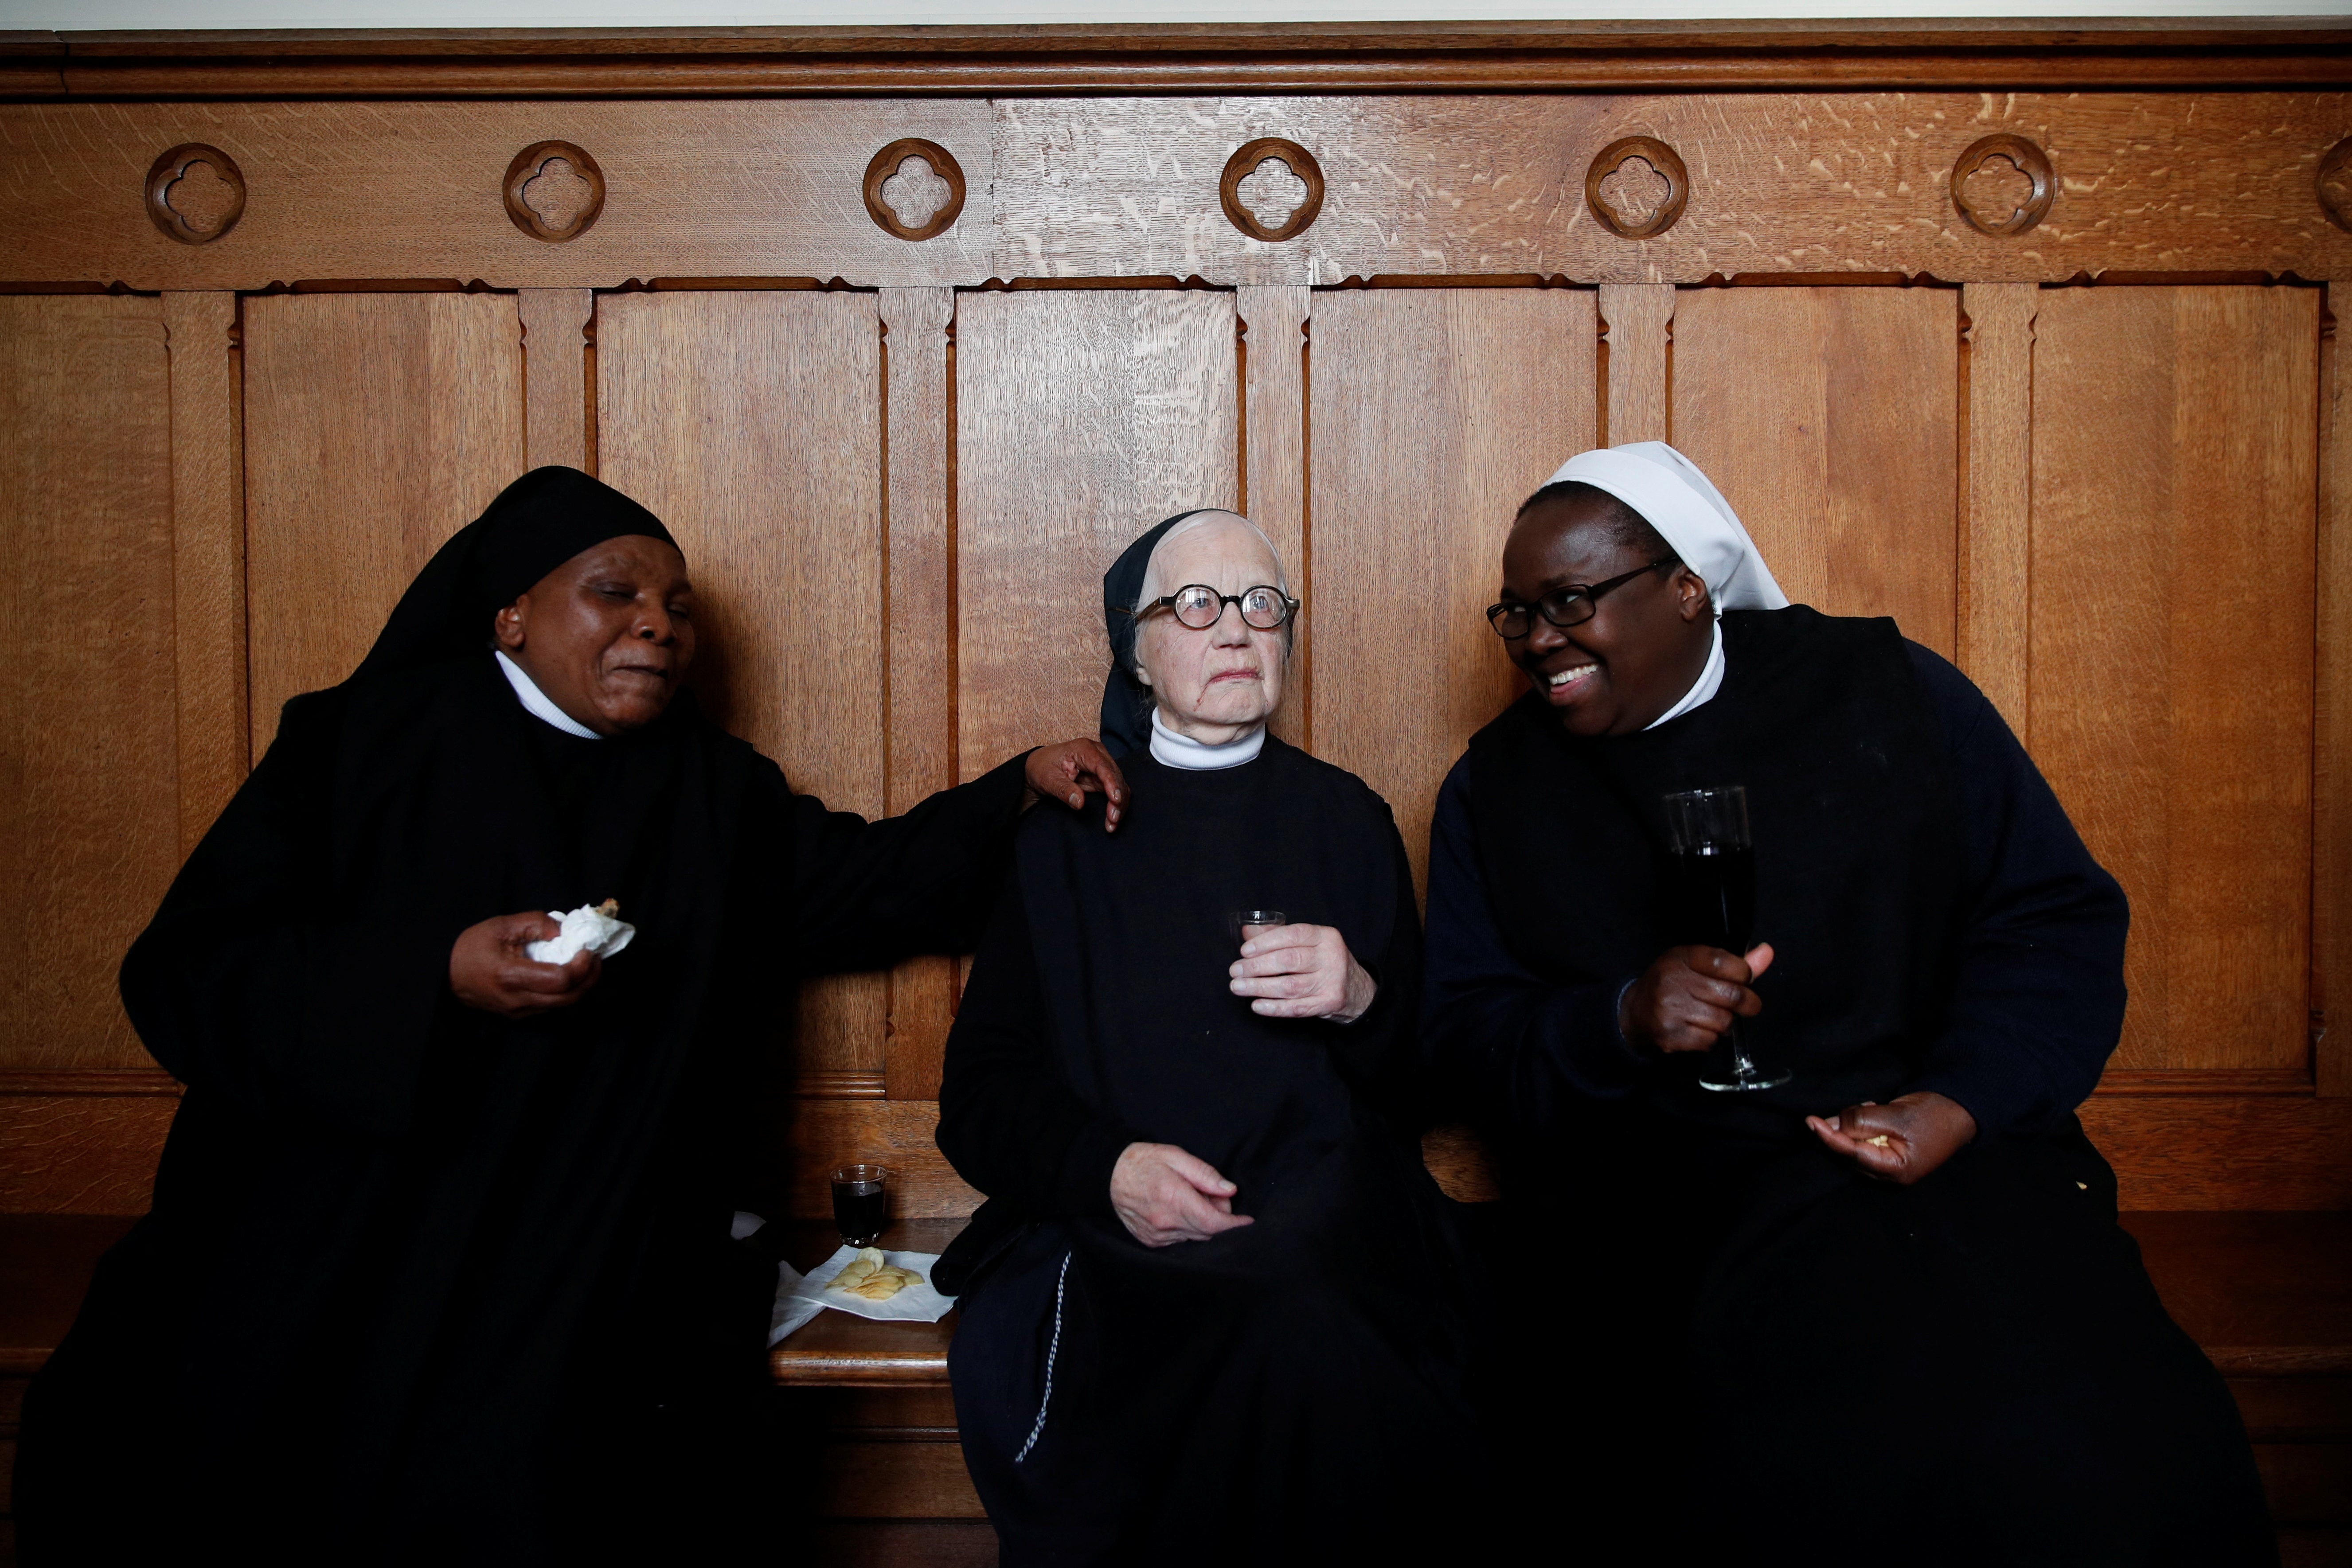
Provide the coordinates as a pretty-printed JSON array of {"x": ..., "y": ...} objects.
[
  {"x": 1165, "y": 1194},
  {"x": 1303, "y": 972},
  {"x": 1075, "y": 769},
  {"x": 490, "y": 969}
]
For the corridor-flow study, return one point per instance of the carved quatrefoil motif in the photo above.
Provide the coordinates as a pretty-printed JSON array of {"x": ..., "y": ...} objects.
[
  {"x": 1272, "y": 189},
  {"x": 2336, "y": 183},
  {"x": 2003, "y": 186},
  {"x": 1637, "y": 187},
  {"x": 554, "y": 191},
  {"x": 196, "y": 194},
  {"x": 914, "y": 189}
]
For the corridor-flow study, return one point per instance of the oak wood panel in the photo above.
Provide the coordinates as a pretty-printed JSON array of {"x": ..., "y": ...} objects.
[
  {"x": 1083, "y": 417},
  {"x": 821, "y": 1134},
  {"x": 1273, "y": 468},
  {"x": 1639, "y": 321},
  {"x": 923, "y": 618},
  {"x": 412, "y": 191},
  {"x": 1816, "y": 183},
  {"x": 555, "y": 362},
  {"x": 89, "y": 809},
  {"x": 2174, "y": 476},
  {"x": 82, "y": 1154},
  {"x": 1434, "y": 413},
  {"x": 376, "y": 426},
  {"x": 1829, "y": 418},
  {"x": 208, "y": 559},
  {"x": 2215, "y": 1151},
  {"x": 894, "y": 1475},
  {"x": 2331, "y": 881},
  {"x": 1996, "y": 533},
  {"x": 750, "y": 423}
]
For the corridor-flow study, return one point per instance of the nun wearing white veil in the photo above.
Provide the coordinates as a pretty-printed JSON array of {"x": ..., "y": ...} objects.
[{"x": 1884, "y": 1305}]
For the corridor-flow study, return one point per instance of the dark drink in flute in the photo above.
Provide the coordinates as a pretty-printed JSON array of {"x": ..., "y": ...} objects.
[{"x": 1711, "y": 902}]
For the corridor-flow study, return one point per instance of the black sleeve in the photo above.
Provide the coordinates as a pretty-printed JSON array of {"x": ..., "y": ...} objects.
[
  {"x": 1379, "y": 1053},
  {"x": 867, "y": 894},
  {"x": 1516, "y": 1046},
  {"x": 1009, "y": 1122},
  {"x": 2038, "y": 1002},
  {"x": 251, "y": 985}
]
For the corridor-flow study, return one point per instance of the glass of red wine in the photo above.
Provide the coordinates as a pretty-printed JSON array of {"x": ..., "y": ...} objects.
[
  {"x": 1711, "y": 901},
  {"x": 861, "y": 1202}
]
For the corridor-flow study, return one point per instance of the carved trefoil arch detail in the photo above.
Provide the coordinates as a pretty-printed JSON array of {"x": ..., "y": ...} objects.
[
  {"x": 914, "y": 189},
  {"x": 1272, "y": 189}
]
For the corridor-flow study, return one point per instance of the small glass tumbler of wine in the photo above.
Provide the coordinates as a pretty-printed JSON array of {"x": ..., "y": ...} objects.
[
  {"x": 1248, "y": 924},
  {"x": 1712, "y": 902},
  {"x": 861, "y": 1202}
]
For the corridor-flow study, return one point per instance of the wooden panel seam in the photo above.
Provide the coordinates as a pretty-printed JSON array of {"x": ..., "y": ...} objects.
[
  {"x": 208, "y": 559},
  {"x": 2331, "y": 740},
  {"x": 1997, "y": 497}
]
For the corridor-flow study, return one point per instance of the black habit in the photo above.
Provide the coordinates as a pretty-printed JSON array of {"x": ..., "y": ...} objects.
[
  {"x": 421, "y": 1283},
  {"x": 1764, "y": 1357},
  {"x": 1295, "y": 1385}
]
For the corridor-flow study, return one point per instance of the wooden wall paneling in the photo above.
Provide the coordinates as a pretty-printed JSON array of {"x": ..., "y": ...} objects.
[
  {"x": 922, "y": 619},
  {"x": 1995, "y": 537},
  {"x": 75, "y": 1152},
  {"x": 376, "y": 426},
  {"x": 825, "y": 1132},
  {"x": 90, "y": 808},
  {"x": 1639, "y": 320},
  {"x": 208, "y": 559},
  {"x": 1828, "y": 418},
  {"x": 2174, "y": 477},
  {"x": 414, "y": 190},
  {"x": 2331, "y": 910},
  {"x": 1273, "y": 320},
  {"x": 1083, "y": 417},
  {"x": 1435, "y": 411},
  {"x": 2225, "y": 1150},
  {"x": 750, "y": 423},
  {"x": 555, "y": 379}
]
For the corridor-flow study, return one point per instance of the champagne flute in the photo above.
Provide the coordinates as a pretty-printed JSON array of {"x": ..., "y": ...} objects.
[{"x": 1713, "y": 902}]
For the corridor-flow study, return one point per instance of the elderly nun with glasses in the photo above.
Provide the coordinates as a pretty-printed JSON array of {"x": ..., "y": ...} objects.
[
  {"x": 1836, "y": 1270},
  {"x": 1207, "y": 1308}
]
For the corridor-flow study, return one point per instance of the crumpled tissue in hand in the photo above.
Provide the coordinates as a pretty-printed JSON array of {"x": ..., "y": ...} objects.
[{"x": 590, "y": 928}]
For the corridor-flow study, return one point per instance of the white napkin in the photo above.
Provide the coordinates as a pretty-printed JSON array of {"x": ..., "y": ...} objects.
[
  {"x": 798, "y": 1299},
  {"x": 587, "y": 929}
]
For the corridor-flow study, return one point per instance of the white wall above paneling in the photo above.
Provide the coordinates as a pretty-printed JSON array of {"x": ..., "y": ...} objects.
[{"x": 77, "y": 14}]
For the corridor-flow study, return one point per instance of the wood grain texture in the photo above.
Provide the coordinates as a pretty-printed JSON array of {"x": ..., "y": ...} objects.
[
  {"x": 824, "y": 1134},
  {"x": 1997, "y": 529},
  {"x": 919, "y": 461},
  {"x": 82, "y": 1154},
  {"x": 555, "y": 374},
  {"x": 412, "y": 190},
  {"x": 207, "y": 560},
  {"x": 750, "y": 423},
  {"x": 2174, "y": 476},
  {"x": 1274, "y": 469},
  {"x": 1818, "y": 182},
  {"x": 896, "y": 1476},
  {"x": 1435, "y": 413},
  {"x": 2212, "y": 1152},
  {"x": 1639, "y": 320},
  {"x": 90, "y": 808},
  {"x": 376, "y": 426},
  {"x": 2331, "y": 881},
  {"x": 1083, "y": 418},
  {"x": 1829, "y": 419}
]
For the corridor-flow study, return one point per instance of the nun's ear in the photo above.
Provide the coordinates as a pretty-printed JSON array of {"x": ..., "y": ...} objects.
[
  {"x": 506, "y": 625},
  {"x": 1691, "y": 600}
]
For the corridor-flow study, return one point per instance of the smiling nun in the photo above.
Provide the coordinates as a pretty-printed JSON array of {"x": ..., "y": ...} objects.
[
  {"x": 1208, "y": 1310},
  {"x": 1885, "y": 1307},
  {"x": 439, "y": 1268}
]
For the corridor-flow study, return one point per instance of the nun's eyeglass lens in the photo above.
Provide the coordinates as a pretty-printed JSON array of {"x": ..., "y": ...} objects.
[
  {"x": 1199, "y": 606},
  {"x": 1570, "y": 604}
]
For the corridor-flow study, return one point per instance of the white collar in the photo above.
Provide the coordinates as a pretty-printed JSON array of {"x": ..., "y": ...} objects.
[
  {"x": 536, "y": 702},
  {"x": 1182, "y": 751},
  {"x": 1709, "y": 680}
]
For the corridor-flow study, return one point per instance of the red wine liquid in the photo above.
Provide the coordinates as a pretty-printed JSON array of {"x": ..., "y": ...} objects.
[
  {"x": 861, "y": 1212},
  {"x": 1711, "y": 898}
]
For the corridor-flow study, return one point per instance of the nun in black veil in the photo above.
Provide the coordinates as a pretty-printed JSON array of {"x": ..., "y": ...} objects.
[
  {"x": 438, "y": 1267},
  {"x": 1208, "y": 1310}
]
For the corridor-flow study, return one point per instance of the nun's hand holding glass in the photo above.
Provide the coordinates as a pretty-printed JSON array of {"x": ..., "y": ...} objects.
[
  {"x": 1303, "y": 972},
  {"x": 489, "y": 970},
  {"x": 1163, "y": 1196},
  {"x": 1688, "y": 998}
]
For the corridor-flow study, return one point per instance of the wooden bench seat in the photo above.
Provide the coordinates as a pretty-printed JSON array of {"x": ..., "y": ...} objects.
[{"x": 2269, "y": 1296}]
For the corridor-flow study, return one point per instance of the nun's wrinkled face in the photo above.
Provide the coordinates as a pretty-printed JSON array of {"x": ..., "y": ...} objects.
[
  {"x": 608, "y": 634},
  {"x": 1647, "y": 639},
  {"x": 1212, "y": 685}
]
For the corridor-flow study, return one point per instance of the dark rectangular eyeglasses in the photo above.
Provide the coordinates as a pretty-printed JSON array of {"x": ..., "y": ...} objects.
[{"x": 1570, "y": 604}]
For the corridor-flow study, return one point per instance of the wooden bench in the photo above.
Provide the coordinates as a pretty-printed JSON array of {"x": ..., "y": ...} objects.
[{"x": 2269, "y": 1295}]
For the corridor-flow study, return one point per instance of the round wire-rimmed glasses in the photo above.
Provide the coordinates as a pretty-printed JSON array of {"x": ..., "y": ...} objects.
[
  {"x": 1200, "y": 607},
  {"x": 1570, "y": 604}
]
